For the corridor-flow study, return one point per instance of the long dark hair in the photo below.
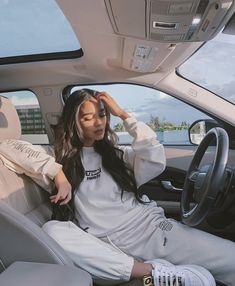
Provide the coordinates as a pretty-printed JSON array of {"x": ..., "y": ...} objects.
[{"x": 68, "y": 144}]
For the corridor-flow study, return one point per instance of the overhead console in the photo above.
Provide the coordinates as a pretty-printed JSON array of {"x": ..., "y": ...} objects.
[{"x": 167, "y": 20}]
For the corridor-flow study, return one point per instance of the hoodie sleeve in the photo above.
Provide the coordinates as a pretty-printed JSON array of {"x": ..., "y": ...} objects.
[
  {"x": 146, "y": 156},
  {"x": 24, "y": 158}
]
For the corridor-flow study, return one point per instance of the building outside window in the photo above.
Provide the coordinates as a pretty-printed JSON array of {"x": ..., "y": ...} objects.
[{"x": 31, "y": 119}]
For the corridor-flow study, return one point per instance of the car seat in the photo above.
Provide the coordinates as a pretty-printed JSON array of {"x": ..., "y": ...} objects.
[{"x": 23, "y": 208}]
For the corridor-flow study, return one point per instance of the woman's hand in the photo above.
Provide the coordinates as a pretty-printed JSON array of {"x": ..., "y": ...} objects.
[
  {"x": 112, "y": 105},
  {"x": 64, "y": 188}
]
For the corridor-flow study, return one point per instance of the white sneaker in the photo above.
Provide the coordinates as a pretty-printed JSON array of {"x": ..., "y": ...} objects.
[{"x": 167, "y": 274}]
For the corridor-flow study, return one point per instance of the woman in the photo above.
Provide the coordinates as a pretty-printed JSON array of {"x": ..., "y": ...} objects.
[
  {"x": 105, "y": 178},
  {"x": 103, "y": 198}
]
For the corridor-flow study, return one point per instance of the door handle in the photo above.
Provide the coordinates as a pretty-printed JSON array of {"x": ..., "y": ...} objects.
[{"x": 169, "y": 187}]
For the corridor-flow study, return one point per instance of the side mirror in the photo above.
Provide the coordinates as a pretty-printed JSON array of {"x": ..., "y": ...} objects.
[{"x": 199, "y": 128}]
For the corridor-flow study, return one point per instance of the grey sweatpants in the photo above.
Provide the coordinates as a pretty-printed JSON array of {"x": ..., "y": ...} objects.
[
  {"x": 179, "y": 244},
  {"x": 105, "y": 263},
  {"x": 111, "y": 259}
]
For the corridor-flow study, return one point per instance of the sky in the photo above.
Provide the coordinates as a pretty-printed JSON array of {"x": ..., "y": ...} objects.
[
  {"x": 212, "y": 66},
  {"x": 144, "y": 102},
  {"x": 43, "y": 28}
]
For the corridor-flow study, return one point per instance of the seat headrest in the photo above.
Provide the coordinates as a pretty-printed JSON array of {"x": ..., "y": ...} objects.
[{"x": 10, "y": 127}]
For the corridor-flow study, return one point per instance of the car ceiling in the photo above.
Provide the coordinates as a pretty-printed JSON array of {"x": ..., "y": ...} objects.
[{"x": 107, "y": 54}]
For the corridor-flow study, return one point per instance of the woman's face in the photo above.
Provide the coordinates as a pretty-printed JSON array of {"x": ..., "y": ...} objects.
[{"x": 92, "y": 121}]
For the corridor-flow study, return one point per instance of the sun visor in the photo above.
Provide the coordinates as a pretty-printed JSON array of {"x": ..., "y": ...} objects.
[{"x": 167, "y": 21}]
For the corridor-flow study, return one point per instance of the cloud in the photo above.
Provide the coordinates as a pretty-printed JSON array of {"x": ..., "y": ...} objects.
[
  {"x": 227, "y": 91},
  {"x": 21, "y": 97},
  {"x": 212, "y": 64}
]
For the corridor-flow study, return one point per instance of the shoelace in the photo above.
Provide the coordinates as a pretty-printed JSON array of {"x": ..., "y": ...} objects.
[{"x": 168, "y": 278}]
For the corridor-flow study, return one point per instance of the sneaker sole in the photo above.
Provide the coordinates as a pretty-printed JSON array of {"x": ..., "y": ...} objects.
[{"x": 201, "y": 271}]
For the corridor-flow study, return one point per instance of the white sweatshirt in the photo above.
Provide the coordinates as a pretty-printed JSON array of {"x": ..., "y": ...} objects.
[
  {"x": 35, "y": 161},
  {"x": 98, "y": 199}
]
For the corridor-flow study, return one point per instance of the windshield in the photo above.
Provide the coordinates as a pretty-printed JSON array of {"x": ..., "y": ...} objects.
[{"x": 212, "y": 66}]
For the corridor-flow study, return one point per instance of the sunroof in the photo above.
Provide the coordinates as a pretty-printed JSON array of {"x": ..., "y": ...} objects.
[{"x": 34, "y": 27}]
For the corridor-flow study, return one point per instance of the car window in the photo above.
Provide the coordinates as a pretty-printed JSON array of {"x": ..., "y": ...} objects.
[
  {"x": 35, "y": 29},
  {"x": 213, "y": 70},
  {"x": 32, "y": 124},
  {"x": 169, "y": 117}
]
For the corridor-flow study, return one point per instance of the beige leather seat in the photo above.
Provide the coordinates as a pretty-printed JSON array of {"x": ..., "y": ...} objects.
[
  {"x": 23, "y": 209},
  {"x": 18, "y": 191}
]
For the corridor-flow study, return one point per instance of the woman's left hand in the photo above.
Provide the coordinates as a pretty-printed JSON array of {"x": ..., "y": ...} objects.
[{"x": 112, "y": 105}]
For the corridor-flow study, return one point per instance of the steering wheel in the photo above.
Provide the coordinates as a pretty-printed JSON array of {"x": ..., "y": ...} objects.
[{"x": 202, "y": 185}]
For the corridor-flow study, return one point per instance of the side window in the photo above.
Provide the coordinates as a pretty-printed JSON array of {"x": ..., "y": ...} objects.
[
  {"x": 32, "y": 124},
  {"x": 169, "y": 117}
]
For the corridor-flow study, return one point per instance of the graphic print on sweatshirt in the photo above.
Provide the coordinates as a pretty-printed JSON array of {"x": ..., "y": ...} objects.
[{"x": 93, "y": 174}]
